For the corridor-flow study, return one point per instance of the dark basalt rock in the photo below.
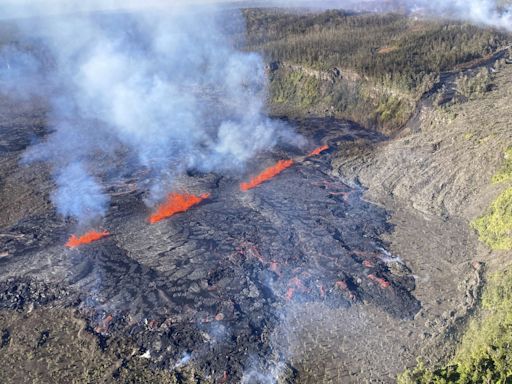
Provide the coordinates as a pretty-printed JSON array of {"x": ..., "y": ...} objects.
[{"x": 207, "y": 287}]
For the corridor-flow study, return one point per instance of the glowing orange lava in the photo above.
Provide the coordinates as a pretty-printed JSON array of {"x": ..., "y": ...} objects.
[
  {"x": 267, "y": 174},
  {"x": 295, "y": 284},
  {"x": 75, "y": 241},
  {"x": 104, "y": 325},
  {"x": 274, "y": 267},
  {"x": 382, "y": 282},
  {"x": 341, "y": 285},
  {"x": 318, "y": 150},
  {"x": 176, "y": 203},
  {"x": 321, "y": 289}
]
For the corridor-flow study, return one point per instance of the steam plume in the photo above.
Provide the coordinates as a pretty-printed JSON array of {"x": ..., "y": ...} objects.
[
  {"x": 492, "y": 13},
  {"x": 163, "y": 90},
  {"x": 484, "y": 12}
]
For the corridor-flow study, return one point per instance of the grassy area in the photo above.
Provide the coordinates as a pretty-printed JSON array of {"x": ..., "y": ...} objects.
[
  {"x": 495, "y": 227},
  {"x": 485, "y": 354},
  {"x": 505, "y": 174}
]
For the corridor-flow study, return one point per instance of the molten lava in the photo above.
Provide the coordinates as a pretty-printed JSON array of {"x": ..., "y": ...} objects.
[
  {"x": 103, "y": 326},
  {"x": 341, "y": 285},
  {"x": 176, "y": 203},
  {"x": 382, "y": 282},
  {"x": 295, "y": 284},
  {"x": 267, "y": 174},
  {"x": 318, "y": 150},
  {"x": 75, "y": 241}
]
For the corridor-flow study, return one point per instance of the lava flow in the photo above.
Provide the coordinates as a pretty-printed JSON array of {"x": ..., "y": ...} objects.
[
  {"x": 75, "y": 241},
  {"x": 318, "y": 150},
  {"x": 176, "y": 203},
  {"x": 267, "y": 174}
]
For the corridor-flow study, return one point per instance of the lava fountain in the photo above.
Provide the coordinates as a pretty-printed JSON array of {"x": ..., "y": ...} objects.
[
  {"x": 317, "y": 151},
  {"x": 176, "y": 203},
  {"x": 89, "y": 237},
  {"x": 267, "y": 174}
]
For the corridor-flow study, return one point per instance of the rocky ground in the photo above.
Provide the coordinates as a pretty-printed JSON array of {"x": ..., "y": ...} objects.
[
  {"x": 433, "y": 179},
  {"x": 209, "y": 290}
]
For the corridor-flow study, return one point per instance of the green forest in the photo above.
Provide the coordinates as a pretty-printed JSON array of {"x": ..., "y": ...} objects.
[{"x": 390, "y": 59}]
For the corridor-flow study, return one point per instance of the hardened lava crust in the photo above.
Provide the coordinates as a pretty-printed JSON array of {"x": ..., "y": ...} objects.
[{"x": 208, "y": 287}]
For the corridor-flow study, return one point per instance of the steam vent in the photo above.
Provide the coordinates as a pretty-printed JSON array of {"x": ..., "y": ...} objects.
[{"x": 235, "y": 192}]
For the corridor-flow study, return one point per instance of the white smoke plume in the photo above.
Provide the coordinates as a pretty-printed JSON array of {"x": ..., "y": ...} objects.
[
  {"x": 491, "y": 13},
  {"x": 163, "y": 90}
]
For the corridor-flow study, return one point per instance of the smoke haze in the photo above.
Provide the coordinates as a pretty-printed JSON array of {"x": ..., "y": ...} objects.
[
  {"x": 493, "y": 13},
  {"x": 163, "y": 90},
  {"x": 484, "y": 12}
]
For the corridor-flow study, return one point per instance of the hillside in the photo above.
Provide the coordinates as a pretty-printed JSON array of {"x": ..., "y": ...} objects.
[{"x": 369, "y": 68}]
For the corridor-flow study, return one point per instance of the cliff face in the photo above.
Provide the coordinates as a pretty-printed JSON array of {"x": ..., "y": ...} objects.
[
  {"x": 300, "y": 91},
  {"x": 369, "y": 68}
]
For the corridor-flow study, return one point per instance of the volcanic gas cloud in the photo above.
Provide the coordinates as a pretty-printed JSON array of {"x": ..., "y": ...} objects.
[
  {"x": 318, "y": 150},
  {"x": 267, "y": 174},
  {"x": 174, "y": 204},
  {"x": 75, "y": 241}
]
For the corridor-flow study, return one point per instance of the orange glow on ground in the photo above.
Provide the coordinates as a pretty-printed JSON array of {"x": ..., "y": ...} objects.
[
  {"x": 318, "y": 150},
  {"x": 267, "y": 174},
  {"x": 175, "y": 203},
  {"x": 383, "y": 283},
  {"x": 92, "y": 236}
]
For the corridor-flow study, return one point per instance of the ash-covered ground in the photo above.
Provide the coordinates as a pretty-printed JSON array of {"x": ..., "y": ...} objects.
[{"x": 211, "y": 287}]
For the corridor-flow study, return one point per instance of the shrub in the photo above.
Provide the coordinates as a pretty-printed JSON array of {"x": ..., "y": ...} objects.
[
  {"x": 485, "y": 354},
  {"x": 474, "y": 86},
  {"x": 505, "y": 174},
  {"x": 495, "y": 228}
]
